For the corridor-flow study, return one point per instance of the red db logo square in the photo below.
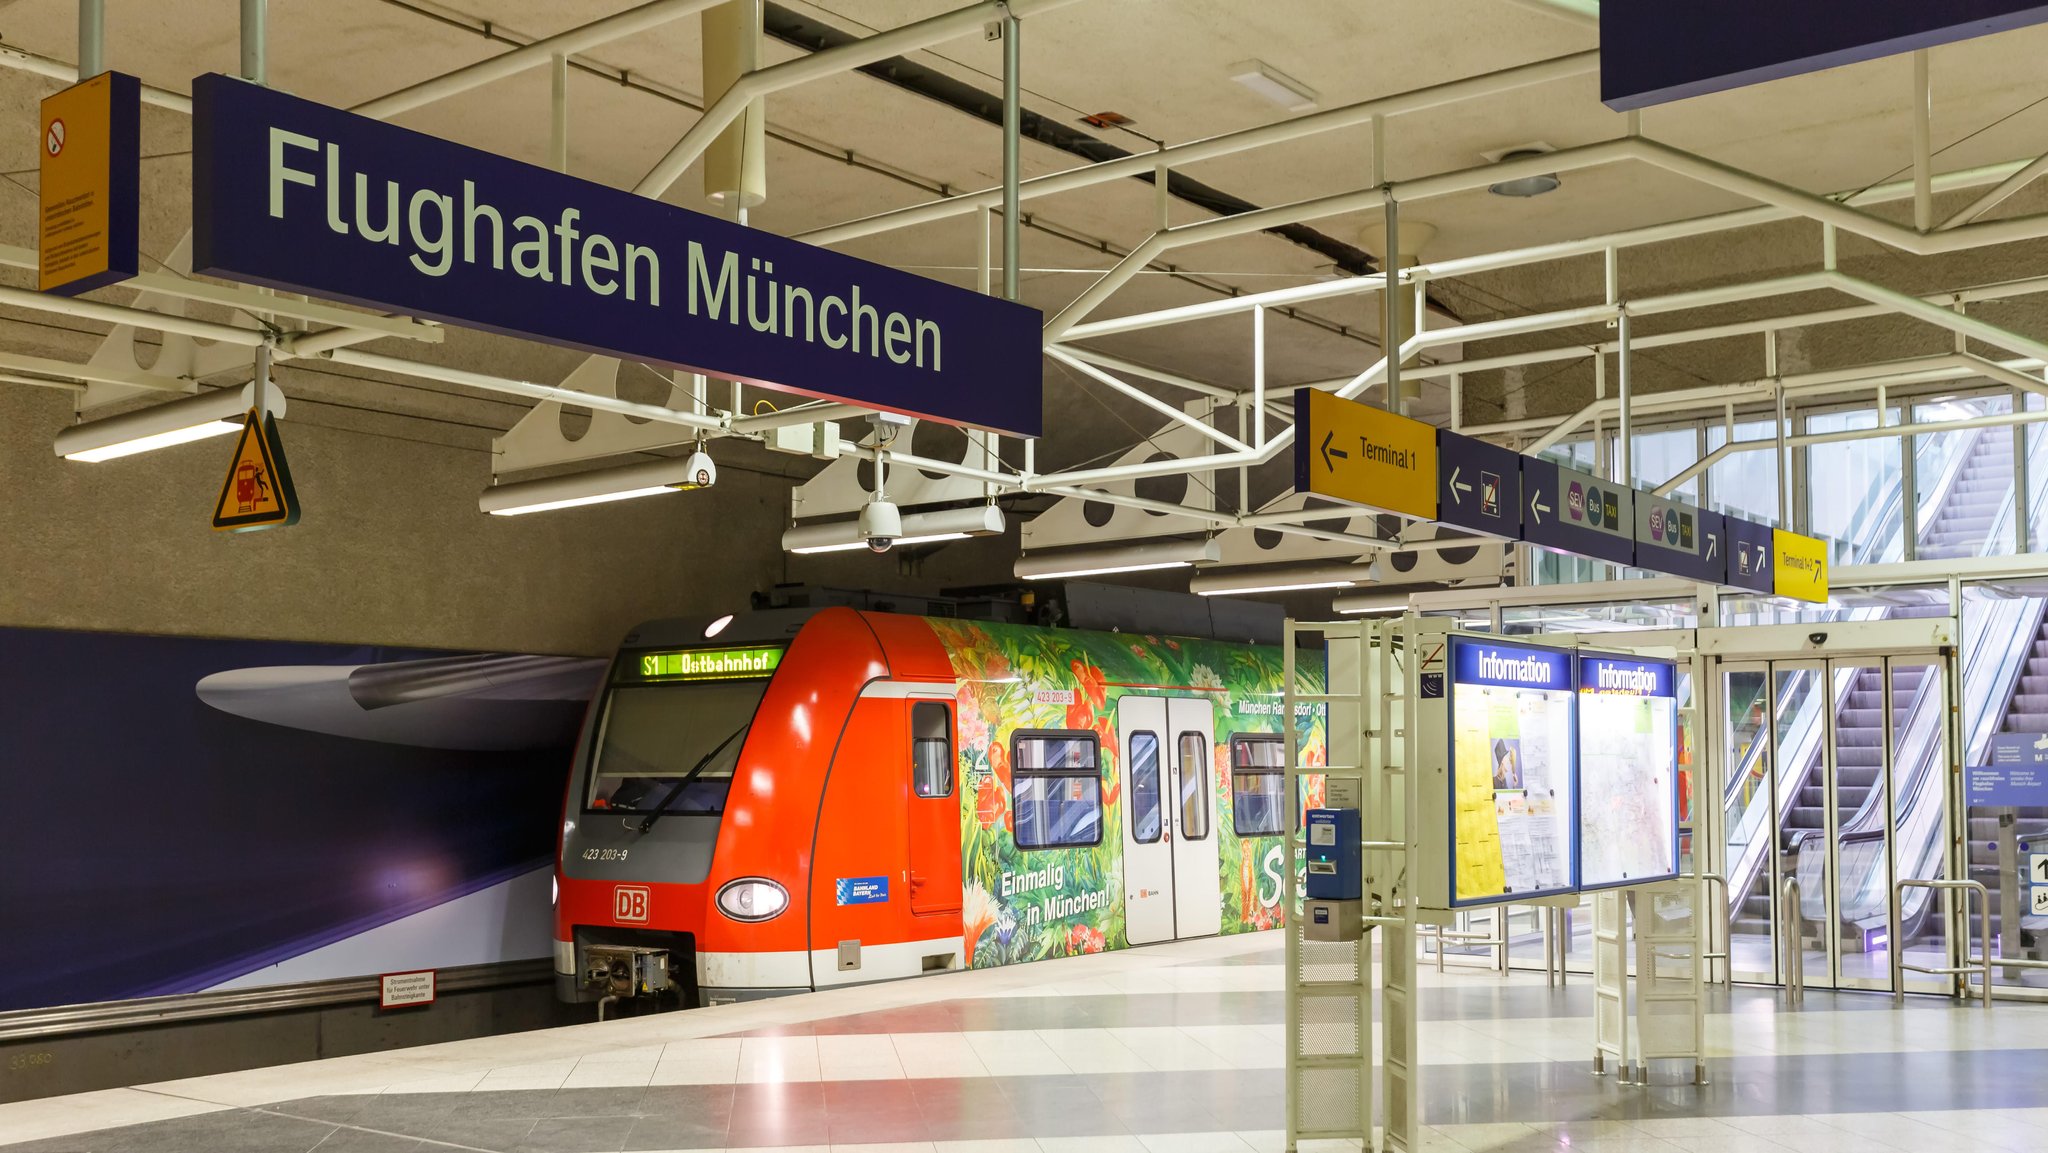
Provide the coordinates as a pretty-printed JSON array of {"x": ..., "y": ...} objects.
[{"x": 629, "y": 904}]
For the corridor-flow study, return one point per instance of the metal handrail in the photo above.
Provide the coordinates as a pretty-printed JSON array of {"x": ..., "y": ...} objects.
[
  {"x": 1980, "y": 964},
  {"x": 1794, "y": 923}
]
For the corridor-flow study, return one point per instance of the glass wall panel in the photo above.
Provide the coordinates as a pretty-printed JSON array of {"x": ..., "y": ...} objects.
[
  {"x": 1744, "y": 483},
  {"x": 2005, "y": 691},
  {"x": 1853, "y": 501},
  {"x": 1663, "y": 454},
  {"x": 1963, "y": 481}
]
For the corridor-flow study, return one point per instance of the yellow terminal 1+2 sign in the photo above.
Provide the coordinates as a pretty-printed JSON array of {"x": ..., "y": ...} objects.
[
  {"x": 1800, "y": 570},
  {"x": 1358, "y": 454}
]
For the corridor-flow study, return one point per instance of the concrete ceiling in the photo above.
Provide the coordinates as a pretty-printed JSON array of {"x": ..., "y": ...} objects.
[{"x": 853, "y": 145}]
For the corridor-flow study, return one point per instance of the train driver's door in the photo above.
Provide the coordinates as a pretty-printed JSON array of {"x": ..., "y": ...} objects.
[
  {"x": 934, "y": 824},
  {"x": 1172, "y": 886}
]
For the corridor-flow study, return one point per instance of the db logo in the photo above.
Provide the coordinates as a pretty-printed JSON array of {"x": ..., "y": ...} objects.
[{"x": 629, "y": 904}]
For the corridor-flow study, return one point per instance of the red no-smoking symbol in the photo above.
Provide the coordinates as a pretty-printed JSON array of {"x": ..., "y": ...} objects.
[{"x": 54, "y": 138}]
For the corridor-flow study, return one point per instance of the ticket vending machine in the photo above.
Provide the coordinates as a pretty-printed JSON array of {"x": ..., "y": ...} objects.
[{"x": 1336, "y": 875}]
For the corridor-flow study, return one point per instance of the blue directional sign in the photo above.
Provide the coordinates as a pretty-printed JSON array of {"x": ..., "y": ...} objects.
[
  {"x": 1677, "y": 538},
  {"x": 2017, "y": 775},
  {"x": 1651, "y": 53},
  {"x": 1563, "y": 508},
  {"x": 1749, "y": 556},
  {"x": 1478, "y": 486}
]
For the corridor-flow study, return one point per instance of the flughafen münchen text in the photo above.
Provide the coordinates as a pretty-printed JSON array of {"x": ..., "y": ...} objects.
[{"x": 439, "y": 228}]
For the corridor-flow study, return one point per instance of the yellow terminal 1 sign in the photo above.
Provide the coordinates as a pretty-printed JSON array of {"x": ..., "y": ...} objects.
[
  {"x": 91, "y": 149},
  {"x": 1355, "y": 453}
]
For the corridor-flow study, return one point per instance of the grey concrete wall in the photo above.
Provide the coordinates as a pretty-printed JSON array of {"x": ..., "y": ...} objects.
[{"x": 392, "y": 549}]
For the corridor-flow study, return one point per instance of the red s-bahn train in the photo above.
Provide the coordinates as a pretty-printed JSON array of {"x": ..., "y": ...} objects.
[{"x": 803, "y": 798}]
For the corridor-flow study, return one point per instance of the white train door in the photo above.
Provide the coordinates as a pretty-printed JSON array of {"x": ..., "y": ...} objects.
[{"x": 1171, "y": 881}]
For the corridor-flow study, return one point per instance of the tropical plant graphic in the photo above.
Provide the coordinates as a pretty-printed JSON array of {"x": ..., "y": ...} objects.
[{"x": 1023, "y": 905}]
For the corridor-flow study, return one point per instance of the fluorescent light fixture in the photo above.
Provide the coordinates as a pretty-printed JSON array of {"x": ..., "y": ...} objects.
[
  {"x": 1298, "y": 586},
  {"x": 918, "y": 528},
  {"x": 650, "y": 478},
  {"x": 1276, "y": 86},
  {"x": 181, "y": 421},
  {"x": 1244, "y": 582},
  {"x": 1127, "y": 558},
  {"x": 1375, "y": 604}
]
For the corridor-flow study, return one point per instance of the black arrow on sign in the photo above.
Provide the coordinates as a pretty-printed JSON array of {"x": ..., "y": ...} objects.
[
  {"x": 2041, "y": 870},
  {"x": 1329, "y": 452}
]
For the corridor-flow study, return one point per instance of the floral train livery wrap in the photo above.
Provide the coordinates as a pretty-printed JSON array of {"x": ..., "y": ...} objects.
[{"x": 1117, "y": 788}]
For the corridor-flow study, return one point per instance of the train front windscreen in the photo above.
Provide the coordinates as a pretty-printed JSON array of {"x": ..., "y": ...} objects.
[{"x": 671, "y": 748}]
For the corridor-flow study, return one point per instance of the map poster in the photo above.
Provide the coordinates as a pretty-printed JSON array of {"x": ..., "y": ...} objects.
[
  {"x": 1628, "y": 771},
  {"x": 1513, "y": 800}
]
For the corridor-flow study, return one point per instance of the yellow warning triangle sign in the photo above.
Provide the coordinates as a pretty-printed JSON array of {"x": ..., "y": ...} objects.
[{"x": 258, "y": 491}]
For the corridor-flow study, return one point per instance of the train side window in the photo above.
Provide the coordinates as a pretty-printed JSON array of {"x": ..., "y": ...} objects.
[
  {"x": 1258, "y": 784},
  {"x": 1145, "y": 805},
  {"x": 931, "y": 749},
  {"x": 1194, "y": 787},
  {"x": 1056, "y": 789}
]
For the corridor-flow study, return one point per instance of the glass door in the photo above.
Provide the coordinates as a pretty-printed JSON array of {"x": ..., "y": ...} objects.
[{"x": 1834, "y": 791}]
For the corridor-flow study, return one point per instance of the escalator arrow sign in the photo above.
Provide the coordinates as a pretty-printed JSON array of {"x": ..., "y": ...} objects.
[{"x": 2039, "y": 873}]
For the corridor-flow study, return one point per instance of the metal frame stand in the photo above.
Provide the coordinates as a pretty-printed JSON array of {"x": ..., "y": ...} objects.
[{"x": 1968, "y": 964}]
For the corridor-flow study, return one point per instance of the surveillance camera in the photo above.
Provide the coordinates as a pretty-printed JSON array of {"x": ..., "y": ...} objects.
[
  {"x": 880, "y": 525},
  {"x": 1817, "y": 639}
]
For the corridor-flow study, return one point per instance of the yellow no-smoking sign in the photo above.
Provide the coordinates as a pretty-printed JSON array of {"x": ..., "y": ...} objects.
[{"x": 91, "y": 186}]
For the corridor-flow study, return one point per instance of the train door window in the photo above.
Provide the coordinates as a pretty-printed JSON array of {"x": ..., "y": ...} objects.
[
  {"x": 1258, "y": 783},
  {"x": 1145, "y": 801},
  {"x": 1056, "y": 789},
  {"x": 931, "y": 749},
  {"x": 1194, "y": 787}
]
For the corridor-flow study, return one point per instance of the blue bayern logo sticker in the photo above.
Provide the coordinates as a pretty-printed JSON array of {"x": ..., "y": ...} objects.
[{"x": 861, "y": 890}]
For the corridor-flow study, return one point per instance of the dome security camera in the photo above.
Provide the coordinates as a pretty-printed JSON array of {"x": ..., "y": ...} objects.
[{"x": 880, "y": 525}]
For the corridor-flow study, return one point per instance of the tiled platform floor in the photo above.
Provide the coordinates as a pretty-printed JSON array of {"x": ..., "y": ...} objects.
[{"x": 1168, "y": 1048}]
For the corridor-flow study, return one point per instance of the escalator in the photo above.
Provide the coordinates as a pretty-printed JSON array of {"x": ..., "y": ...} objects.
[
  {"x": 1971, "y": 498},
  {"x": 2026, "y": 711}
]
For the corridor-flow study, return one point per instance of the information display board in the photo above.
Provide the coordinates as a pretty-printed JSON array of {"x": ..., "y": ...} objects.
[
  {"x": 1627, "y": 770},
  {"x": 1512, "y": 796}
]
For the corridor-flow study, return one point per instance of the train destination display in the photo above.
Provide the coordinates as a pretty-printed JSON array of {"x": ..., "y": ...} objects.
[
  {"x": 1512, "y": 795},
  {"x": 1627, "y": 770}
]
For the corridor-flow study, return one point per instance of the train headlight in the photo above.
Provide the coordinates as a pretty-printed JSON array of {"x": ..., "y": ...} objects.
[{"x": 752, "y": 899}]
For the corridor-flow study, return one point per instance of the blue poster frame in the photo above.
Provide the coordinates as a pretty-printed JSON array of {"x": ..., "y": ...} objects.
[
  {"x": 1581, "y": 659},
  {"x": 1457, "y": 644}
]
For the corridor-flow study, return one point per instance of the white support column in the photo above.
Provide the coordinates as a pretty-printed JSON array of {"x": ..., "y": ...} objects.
[
  {"x": 255, "y": 41},
  {"x": 1923, "y": 145},
  {"x": 558, "y": 120},
  {"x": 92, "y": 38}
]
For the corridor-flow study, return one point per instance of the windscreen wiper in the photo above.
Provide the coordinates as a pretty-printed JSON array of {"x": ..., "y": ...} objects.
[{"x": 676, "y": 790}]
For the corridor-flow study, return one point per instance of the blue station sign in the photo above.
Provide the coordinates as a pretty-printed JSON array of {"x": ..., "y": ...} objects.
[
  {"x": 1479, "y": 485},
  {"x": 307, "y": 198},
  {"x": 1651, "y": 53},
  {"x": 2016, "y": 776}
]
